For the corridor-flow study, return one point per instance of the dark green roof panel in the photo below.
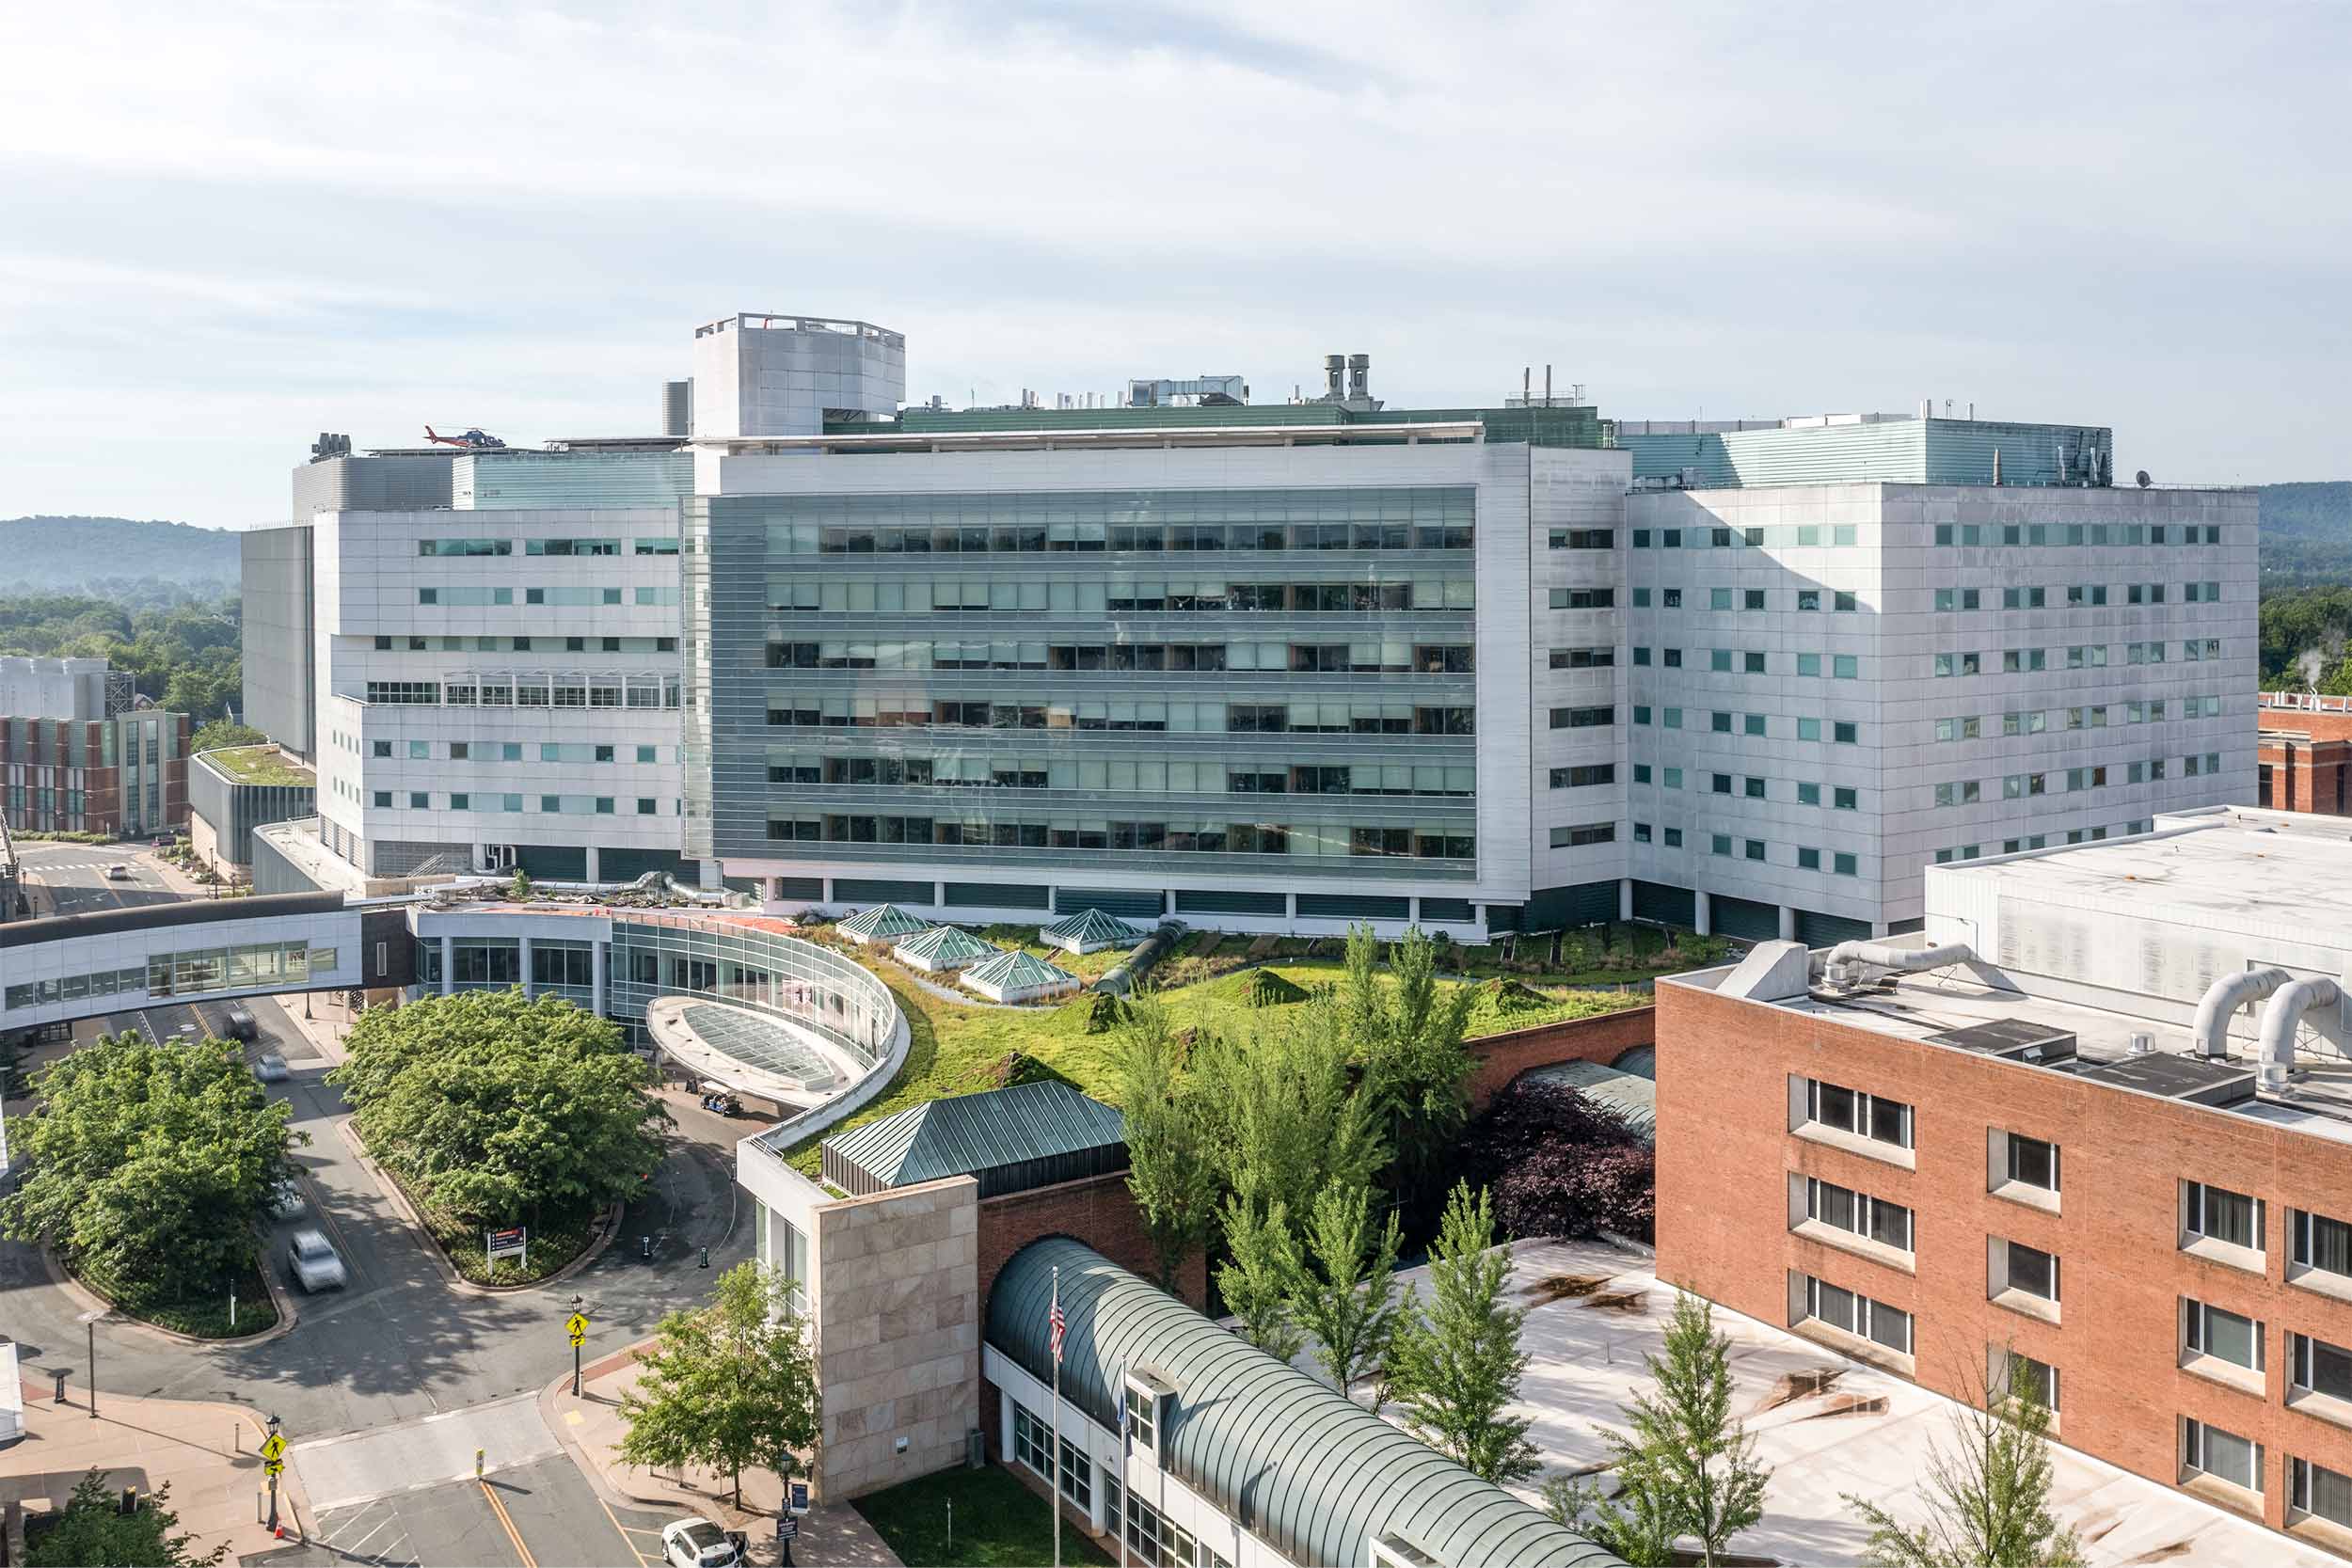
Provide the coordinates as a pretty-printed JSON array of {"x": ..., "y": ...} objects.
[
  {"x": 1012, "y": 1138},
  {"x": 1315, "y": 1475}
]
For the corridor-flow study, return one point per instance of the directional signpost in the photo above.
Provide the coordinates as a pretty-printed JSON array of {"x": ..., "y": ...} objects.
[
  {"x": 506, "y": 1243},
  {"x": 575, "y": 1328}
]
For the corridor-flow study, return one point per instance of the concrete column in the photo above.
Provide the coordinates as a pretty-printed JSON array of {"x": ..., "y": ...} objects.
[
  {"x": 1878, "y": 930},
  {"x": 1788, "y": 923},
  {"x": 1625, "y": 898},
  {"x": 522, "y": 963},
  {"x": 591, "y": 864},
  {"x": 1702, "y": 913},
  {"x": 939, "y": 895},
  {"x": 449, "y": 964},
  {"x": 597, "y": 951}
]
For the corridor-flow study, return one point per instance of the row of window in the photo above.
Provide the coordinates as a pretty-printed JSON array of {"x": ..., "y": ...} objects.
[
  {"x": 1836, "y": 600},
  {"x": 1297, "y": 841},
  {"x": 461, "y": 799},
  {"x": 2155, "y": 710},
  {"x": 1951, "y": 853},
  {"x": 276, "y": 965},
  {"x": 574, "y": 595},
  {"x": 997, "y": 771},
  {"x": 2090, "y": 656},
  {"x": 1358, "y": 717},
  {"x": 1113, "y": 594},
  {"x": 1803, "y": 535},
  {"x": 2080, "y": 595},
  {"x": 534, "y": 689},
  {"x": 1359, "y": 658},
  {"x": 523, "y": 645},
  {"x": 1837, "y": 861},
  {"x": 1455, "y": 532},
  {"x": 511, "y": 750},
  {"x": 544, "y": 547},
  {"x": 1841, "y": 732},
  {"x": 1806, "y": 535},
  {"x": 2022, "y": 787},
  {"x": 1753, "y": 661},
  {"x": 1807, "y": 793}
]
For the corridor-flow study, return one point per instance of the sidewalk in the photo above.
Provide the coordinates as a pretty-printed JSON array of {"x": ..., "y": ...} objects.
[
  {"x": 321, "y": 1017},
  {"x": 208, "y": 1452},
  {"x": 831, "y": 1534}
]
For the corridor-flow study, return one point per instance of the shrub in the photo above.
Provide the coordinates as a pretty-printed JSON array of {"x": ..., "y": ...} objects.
[
  {"x": 1266, "y": 989},
  {"x": 1561, "y": 1165}
]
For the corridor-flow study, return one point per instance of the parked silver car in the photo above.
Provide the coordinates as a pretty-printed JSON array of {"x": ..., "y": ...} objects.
[{"x": 314, "y": 1261}]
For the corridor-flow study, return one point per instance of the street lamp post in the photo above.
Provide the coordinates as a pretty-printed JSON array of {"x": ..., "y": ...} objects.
[
  {"x": 576, "y": 1337},
  {"x": 90, "y": 1322},
  {"x": 273, "y": 1464}
]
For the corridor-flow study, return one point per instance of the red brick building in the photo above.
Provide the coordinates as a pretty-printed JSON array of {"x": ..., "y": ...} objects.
[
  {"x": 127, "y": 775},
  {"x": 1939, "y": 1171},
  {"x": 2304, "y": 753}
]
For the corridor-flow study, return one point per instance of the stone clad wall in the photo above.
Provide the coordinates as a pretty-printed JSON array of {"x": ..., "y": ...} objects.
[{"x": 900, "y": 1341}]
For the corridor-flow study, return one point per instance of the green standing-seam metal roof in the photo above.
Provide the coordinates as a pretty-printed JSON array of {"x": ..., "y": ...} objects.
[
  {"x": 1089, "y": 927},
  {"x": 946, "y": 948},
  {"x": 883, "y": 920},
  {"x": 968, "y": 1134},
  {"x": 1313, "y": 1474},
  {"x": 1018, "y": 971}
]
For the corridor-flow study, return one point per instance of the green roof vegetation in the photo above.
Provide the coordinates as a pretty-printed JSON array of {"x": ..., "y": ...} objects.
[
  {"x": 958, "y": 1048},
  {"x": 259, "y": 765}
]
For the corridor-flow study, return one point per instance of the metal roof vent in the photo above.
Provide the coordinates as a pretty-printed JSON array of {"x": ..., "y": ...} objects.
[{"x": 2143, "y": 1042}]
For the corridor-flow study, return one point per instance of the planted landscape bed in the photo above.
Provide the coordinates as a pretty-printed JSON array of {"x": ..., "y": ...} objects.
[
  {"x": 1000, "y": 1523},
  {"x": 554, "y": 1242},
  {"x": 204, "y": 1317}
]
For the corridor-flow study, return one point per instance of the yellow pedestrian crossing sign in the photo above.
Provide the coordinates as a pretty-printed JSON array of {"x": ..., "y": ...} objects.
[
  {"x": 274, "y": 1450},
  {"x": 577, "y": 1326},
  {"x": 274, "y": 1466}
]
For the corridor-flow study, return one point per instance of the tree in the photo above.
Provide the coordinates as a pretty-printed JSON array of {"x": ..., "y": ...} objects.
[
  {"x": 225, "y": 732},
  {"x": 1171, "y": 1169},
  {"x": 149, "y": 1164},
  {"x": 1406, "y": 1031},
  {"x": 1259, "y": 1281},
  {"x": 94, "y": 1528},
  {"x": 1561, "y": 1165},
  {"x": 1688, "y": 1464},
  {"x": 1454, "y": 1363},
  {"x": 1632, "y": 1522},
  {"x": 1288, "y": 1120},
  {"x": 1344, "y": 1292},
  {"x": 493, "y": 1107},
  {"x": 1988, "y": 1490},
  {"x": 726, "y": 1386}
]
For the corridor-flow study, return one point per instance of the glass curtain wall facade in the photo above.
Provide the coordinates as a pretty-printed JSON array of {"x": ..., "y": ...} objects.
[{"x": 1185, "y": 683}]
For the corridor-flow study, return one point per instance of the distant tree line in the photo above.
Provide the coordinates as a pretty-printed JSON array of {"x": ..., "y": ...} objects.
[{"x": 184, "y": 653}]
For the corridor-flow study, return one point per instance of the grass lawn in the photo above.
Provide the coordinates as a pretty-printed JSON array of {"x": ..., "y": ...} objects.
[
  {"x": 998, "y": 1522},
  {"x": 205, "y": 1317},
  {"x": 959, "y": 1048},
  {"x": 258, "y": 765}
]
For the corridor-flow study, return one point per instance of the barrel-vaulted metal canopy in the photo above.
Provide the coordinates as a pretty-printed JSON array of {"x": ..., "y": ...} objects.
[{"x": 1315, "y": 1475}]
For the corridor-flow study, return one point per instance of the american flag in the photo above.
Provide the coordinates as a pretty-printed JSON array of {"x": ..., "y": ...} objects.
[{"x": 1056, "y": 1318}]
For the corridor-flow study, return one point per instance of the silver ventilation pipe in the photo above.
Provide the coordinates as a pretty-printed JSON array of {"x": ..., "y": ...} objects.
[
  {"x": 2282, "y": 1018},
  {"x": 2221, "y": 1001}
]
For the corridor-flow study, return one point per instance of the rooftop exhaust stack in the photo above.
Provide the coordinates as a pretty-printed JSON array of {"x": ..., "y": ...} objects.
[
  {"x": 1335, "y": 376},
  {"x": 1359, "y": 376},
  {"x": 677, "y": 409}
]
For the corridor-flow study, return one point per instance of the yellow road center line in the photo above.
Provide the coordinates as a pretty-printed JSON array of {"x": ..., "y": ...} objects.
[{"x": 512, "y": 1533}]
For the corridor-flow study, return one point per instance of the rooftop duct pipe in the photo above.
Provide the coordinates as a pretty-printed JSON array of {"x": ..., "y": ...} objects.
[
  {"x": 1907, "y": 960},
  {"x": 1335, "y": 376},
  {"x": 2281, "y": 1019},
  {"x": 2221, "y": 1001}
]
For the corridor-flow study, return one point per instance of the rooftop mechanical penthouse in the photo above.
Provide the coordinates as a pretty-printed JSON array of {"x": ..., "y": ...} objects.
[{"x": 2093, "y": 1128}]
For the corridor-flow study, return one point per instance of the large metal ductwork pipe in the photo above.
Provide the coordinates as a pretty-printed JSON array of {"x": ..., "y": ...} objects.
[
  {"x": 1911, "y": 960},
  {"x": 2221, "y": 1001},
  {"x": 2282, "y": 1018},
  {"x": 1335, "y": 376}
]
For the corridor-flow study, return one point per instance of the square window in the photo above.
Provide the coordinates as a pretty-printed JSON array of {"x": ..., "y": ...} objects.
[
  {"x": 1752, "y": 724},
  {"x": 1843, "y": 865},
  {"x": 1754, "y": 848},
  {"x": 1808, "y": 860},
  {"x": 1753, "y": 788},
  {"x": 1808, "y": 599},
  {"x": 1845, "y": 732},
  {"x": 420, "y": 750},
  {"x": 1752, "y": 599},
  {"x": 419, "y": 800},
  {"x": 646, "y": 754},
  {"x": 646, "y": 805},
  {"x": 1844, "y": 601},
  {"x": 1720, "y": 844},
  {"x": 1808, "y": 729},
  {"x": 1720, "y": 724},
  {"x": 1846, "y": 798},
  {"x": 1674, "y": 838},
  {"x": 1718, "y": 598},
  {"x": 1808, "y": 664},
  {"x": 1808, "y": 795},
  {"x": 459, "y": 801}
]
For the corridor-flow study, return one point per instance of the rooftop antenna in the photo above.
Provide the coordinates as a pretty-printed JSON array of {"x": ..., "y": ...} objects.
[
  {"x": 1527, "y": 385},
  {"x": 1546, "y": 385}
]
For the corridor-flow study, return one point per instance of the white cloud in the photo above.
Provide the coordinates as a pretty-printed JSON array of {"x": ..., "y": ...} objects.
[{"x": 237, "y": 225}]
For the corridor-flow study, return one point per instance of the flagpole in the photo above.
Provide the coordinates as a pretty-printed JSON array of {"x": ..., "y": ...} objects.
[
  {"x": 1126, "y": 1497},
  {"x": 1055, "y": 1502}
]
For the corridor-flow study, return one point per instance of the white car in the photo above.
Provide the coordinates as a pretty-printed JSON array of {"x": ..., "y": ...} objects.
[
  {"x": 697, "y": 1544},
  {"x": 272, "y": 1068},
  {"x": 117, "y": 873},
  {"x": 311, "y": 1259}
]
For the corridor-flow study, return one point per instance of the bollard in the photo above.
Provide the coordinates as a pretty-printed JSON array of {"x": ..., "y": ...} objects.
[
  {"x": 477, "y": 1465},
  {"x": 644, "y": 1247},
  {"x": 59, "y": 1373},
  {"x": 706, "y": 1263}
]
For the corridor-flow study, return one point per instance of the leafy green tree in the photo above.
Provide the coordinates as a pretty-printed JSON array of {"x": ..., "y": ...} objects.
[
  {"x": 1454, "y": 1362},
  {"x": 1344, "y": 1292},
  {"x": 1171, "y": 1170},
  {"x": 1289, "y": 1120},
  {"x": 1407, "y": 1030},
  {"x": 1988, "y": 1491},
  {"x": 94, "y": 1528},
  {"x": 493, "y": 1107},
  {"x": 1259, "y": 1281},
  {"x": 224, "y": 732},
  {"x": 1688, "y": 1462},
  {"x": 728, "y": 1386},
  {"x": 149, "y": 1164},
  {"x": 1632, "y": 1522}
]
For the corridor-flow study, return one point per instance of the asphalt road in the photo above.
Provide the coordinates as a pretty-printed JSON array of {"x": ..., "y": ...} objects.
[
  {"x": 543, "y": 1515},
  {"x": 395, "y": 1344}
]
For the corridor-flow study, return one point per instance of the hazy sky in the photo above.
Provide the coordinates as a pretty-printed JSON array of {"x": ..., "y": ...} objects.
[{"x": 226, "y": 228}]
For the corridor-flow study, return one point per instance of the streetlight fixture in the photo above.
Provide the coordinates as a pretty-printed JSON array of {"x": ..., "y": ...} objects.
[
  {"x": 90, "y": 1321},
  {"x": 273, "y": 1462},
  {"x": 577, "y": 1303}
]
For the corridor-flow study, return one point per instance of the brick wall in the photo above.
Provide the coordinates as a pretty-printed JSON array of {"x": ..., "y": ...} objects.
[
  {"x": 2305, "y": 774},
  {"x": 1725, "y": 1151},
  {"x": 1503, "y": 1057}
]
